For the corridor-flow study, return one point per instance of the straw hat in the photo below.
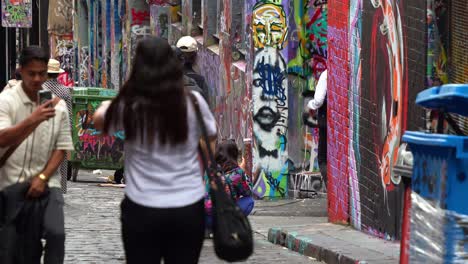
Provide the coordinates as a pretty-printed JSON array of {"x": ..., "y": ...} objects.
[{"x": 54, "y": 67}]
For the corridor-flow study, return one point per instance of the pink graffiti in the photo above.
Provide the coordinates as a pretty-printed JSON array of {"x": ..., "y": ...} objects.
[
  {"x": 90, "y": 141},
  {"x": 138, "y": 17}
]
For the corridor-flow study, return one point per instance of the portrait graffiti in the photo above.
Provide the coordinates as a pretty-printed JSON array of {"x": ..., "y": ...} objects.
[{"x": 270, "y": 104}]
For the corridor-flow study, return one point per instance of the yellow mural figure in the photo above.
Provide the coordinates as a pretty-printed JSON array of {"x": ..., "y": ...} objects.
[{"x": 269, "y": 26}]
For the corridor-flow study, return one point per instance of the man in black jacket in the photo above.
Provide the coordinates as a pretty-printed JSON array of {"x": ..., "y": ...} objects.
[{"x": 187, "y": 48}]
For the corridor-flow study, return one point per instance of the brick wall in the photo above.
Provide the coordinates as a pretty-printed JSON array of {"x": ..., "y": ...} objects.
[
  {"x": 459, "y": 40},
  {"x": 338, "y": 84},
  {"x": 376, "y": 68}
]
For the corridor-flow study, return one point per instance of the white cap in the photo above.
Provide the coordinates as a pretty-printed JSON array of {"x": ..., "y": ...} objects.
[{"x": 187, "y": 44}]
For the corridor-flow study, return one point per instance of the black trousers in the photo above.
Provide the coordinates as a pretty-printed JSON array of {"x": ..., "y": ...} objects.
[
  {"x": 151, "y": 234},
  {"x": 54, "y": 228},
  {"x": 322, "y": 150}
]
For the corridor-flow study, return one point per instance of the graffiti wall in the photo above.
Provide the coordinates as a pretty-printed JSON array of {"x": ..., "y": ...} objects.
[
  {"x": 17, "y": 13},
  {"x": 63, "y": 50},
  {"x": 258, "y": 89},
  {"x": 370, "y": 109},
  {"x": 338, "y": 118},
  {"x": 385, "y": 83},
  {"x": 91, "y": 147},
  {"x": 307, "y": 57},
  {"x": 437, "y": 42},
  {"x": 269, "y": 27},
  {"x": 59, "y": 22}
]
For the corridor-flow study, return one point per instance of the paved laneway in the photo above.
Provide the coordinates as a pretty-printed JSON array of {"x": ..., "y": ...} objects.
[{"x": 93, "y": 229}]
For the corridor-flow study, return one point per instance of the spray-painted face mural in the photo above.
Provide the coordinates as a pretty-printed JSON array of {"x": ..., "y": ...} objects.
[
  {"x": 270, "y": 104},
  {"x": 269, "y": 26}
]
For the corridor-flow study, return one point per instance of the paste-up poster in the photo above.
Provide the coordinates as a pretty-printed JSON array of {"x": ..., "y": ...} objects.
[{"x": 17, "y": 13}]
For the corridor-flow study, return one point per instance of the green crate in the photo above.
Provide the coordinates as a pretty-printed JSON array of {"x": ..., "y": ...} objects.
[{"x": 92, "y": 150}]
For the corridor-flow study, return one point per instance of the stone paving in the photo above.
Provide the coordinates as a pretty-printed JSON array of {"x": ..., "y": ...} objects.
[{"x": 93, "y": 228}]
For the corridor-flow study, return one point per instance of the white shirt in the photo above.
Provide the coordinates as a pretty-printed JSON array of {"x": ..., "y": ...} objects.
[
  {"x": 31, "y": 157},
  {"x": 164, "y": 176},
  {"x": 320, "y": 92}
]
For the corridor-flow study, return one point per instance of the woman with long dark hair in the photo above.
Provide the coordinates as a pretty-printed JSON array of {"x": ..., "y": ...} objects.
[{"x": 164, "y": 189}]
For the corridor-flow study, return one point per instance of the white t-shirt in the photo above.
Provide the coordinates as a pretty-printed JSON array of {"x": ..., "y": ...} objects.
[
  {"x": 165, "y": 176},
  {"x": 30, "y": 158},
  {"x": 320, "y": 92}
]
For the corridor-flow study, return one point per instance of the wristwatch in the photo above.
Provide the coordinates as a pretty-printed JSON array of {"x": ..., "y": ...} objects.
[{"x": 43, "y": 177}]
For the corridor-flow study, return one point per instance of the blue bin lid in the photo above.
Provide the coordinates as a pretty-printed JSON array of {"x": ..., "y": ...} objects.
[
  {"x": 452, "y": 98},
  {"x": 459, "y": 143}
]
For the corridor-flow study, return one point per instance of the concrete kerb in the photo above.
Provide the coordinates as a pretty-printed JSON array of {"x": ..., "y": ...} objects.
[{"x": 306, "y": 247}]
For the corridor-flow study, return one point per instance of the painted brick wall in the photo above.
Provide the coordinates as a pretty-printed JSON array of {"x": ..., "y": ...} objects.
[
  {"x": 459, "y": 40},
  {"x": 376, "y": 68},
  {"x": 338, "y": 83}
]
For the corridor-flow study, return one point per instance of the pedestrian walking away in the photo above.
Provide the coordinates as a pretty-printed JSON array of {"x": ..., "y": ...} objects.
[
  {"x": 34, "y": 138},
  {"x": 187, "y": 52},
  {"x": 63, "y": 92},
  {"x": 164, "y": 184}
]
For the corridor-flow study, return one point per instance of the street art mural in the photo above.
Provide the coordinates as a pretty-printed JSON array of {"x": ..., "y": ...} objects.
[
  {"x": 307, "y": 56},
  {"x": 270, "y": 102},
  {"x": 337, "y": 102},
  {"x": 59, "y": 22},
  {"x": 139, "y": 26},
  {"x": 160, "y": 20},
  {"x": 437, "y": 43},
  {"x": 17, "y": 13},
  {"x": 91, "y": 146},
  {"x": 379, "y": 104},
  {"x": 83, "y": 70},
  {"x": 387, "y": 85},
  {"x": 354, "y": 158},
  {"x": 64, "y": 51}
]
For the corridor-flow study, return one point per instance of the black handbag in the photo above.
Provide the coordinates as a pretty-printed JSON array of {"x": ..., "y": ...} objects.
[{"x": 232, "y": 233}]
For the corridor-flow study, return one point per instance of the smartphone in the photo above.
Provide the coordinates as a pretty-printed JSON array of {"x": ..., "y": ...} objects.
[{"x": 44, "y": 96}]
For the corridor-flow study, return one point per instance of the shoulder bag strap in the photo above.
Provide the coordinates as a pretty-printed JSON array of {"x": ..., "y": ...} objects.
[
  {"x": 7, "y": 155},
  {"x": 204, "y": 132},
  {"x": 12, "y": 149}
]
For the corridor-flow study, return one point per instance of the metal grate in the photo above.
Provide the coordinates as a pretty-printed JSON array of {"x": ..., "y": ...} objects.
[{"x": 459, "y": 42}]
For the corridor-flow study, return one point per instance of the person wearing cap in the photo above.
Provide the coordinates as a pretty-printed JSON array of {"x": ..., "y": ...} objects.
[
  {"x": 187, "y": 52},
  {"x": 64, "y": 93}
]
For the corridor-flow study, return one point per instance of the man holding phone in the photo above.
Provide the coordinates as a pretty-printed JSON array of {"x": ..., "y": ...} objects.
[{"x": 39, "y": 134}]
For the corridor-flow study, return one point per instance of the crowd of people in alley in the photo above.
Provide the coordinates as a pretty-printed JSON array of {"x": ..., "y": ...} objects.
[{"x": 164, "y": 175}]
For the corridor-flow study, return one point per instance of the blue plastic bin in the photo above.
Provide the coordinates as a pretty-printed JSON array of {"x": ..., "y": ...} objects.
[
  {"x": 440, "y": 173},
  {"x": 452, "y": 98},
  {"x": 440, "y": 170}
]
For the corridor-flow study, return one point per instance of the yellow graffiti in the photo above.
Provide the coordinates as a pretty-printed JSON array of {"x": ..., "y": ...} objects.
[{"x": 269, "y": 26}]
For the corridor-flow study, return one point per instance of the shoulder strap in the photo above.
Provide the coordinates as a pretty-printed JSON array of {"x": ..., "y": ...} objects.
[
  {"x": 202, "y": 124},
  {"x": 7, "y": 155},
  {"x": 12, "y": 149}
]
